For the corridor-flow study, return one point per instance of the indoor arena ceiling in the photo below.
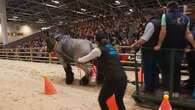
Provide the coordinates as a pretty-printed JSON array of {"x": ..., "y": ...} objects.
[{"x": 65, "y": 11}]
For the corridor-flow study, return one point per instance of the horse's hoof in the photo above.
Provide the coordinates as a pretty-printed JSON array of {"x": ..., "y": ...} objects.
[
  {"x": 69, "y": 80},
  {"x": 84, "y": 81}
]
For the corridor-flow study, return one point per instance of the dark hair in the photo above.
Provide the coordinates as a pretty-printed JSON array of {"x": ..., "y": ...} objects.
[
  {"x": 172, "y": 5},
  {"x": 102, "y": 37},
  {"x": 154, "y": 13},
  {"x": 99, "y": 36}
]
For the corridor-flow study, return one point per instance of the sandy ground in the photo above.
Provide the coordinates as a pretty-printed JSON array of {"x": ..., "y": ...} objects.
[{"x": 21, "y": 88}]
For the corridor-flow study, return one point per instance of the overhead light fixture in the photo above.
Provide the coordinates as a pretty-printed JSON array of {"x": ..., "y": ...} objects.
[
  {"x": 49, "y": 5},
  {"x": 15, "y": 17},
  {"x": 55, "y": 1},
  {"x": 82, "y": 9},
  {"x": 40, "y": 19},
  {"x": 78, "y": 12},
  {"x": 45, "y": 28},
  {"x": 131, "y": 10},
  {"x": 94, "y": 16},
  {"x": 40, "y": 22},
  {"x": 12, "y": 19},
  {"x": 60, "y": 22},
  {"x": 117, "y": 2}
]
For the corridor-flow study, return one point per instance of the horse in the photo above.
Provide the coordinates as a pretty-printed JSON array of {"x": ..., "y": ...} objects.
[{"x": 68, "y": 50}]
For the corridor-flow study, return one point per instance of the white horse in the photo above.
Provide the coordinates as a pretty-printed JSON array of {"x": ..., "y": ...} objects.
[{"x": 68, "y": 50}]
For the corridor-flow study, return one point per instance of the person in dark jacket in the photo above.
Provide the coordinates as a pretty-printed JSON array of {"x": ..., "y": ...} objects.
[
  {"x": 173, "y": 36},
  {"x": 190, "y": 56},
  {"x": 150, "y": 57},
  {"x": 115, "y": 77}
]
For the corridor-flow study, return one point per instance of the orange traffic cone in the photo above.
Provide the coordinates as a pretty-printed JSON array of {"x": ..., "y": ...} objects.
[
  {"x": 111, "y": 102},
  {"x": 165, "y": 105},
  {"x": 49, "y": 88},
  {"x": 140, "y": 75}
]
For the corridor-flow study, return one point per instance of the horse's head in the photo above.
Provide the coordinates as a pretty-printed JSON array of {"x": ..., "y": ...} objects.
[{"x": 50, "y": 40}]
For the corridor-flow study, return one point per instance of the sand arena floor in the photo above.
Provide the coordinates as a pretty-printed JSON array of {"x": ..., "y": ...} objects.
[{"x": 21, "y": 88}]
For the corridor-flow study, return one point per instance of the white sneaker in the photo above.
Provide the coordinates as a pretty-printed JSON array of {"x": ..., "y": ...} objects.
[{"x": 92, "y": 81}]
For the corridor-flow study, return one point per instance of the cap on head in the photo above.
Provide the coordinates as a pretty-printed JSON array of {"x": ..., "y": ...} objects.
[
  {"x": 172, "y": 5},
  {"x": 152, "y": 12}
]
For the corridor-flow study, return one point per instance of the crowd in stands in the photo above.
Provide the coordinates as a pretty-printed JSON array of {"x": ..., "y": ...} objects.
[
  {"x": 37, "y": 44},
  {"x": 121, "y": 30}
]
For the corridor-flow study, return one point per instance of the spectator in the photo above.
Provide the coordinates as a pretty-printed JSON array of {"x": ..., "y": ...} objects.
[
  {"x": 191, "y": 64},
  {"x": 115, "y": 78},
  {"x": 174, "y": 29},
  {"x": 149, "y": 57}
]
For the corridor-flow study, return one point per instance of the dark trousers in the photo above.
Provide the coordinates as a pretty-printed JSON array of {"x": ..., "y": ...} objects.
[
  {"x": 150, "y": 69},
  {"x": 117, "y": 88},
  {"x": 166, "y": 68},
  {"x": 191, "y": 67}
]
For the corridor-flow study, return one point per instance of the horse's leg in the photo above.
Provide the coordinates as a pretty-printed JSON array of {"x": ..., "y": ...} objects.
[
  {"x": 69, "y": 74},
  {"x": 84, "y": 80},
  {"x": 69, "y": 77}
]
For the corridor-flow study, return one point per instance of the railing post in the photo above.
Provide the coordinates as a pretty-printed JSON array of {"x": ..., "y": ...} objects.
[
  {"x": 50, "y": 59},
  {"x": 17, "y": 54},
  {"x": 6, "y": 52},
  {"x": 117, "y": 47},
  {"x": 172, "y": 67},
  {"x": 31, "y": 54},
  {"x": 136, "y": 76}
]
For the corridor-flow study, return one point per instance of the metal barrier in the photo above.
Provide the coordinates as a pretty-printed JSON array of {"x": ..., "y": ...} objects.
[
  {"x": 27, "y": 54},
  {"x": 152, "y": 100},
  {"x": 37, "y": 55}
]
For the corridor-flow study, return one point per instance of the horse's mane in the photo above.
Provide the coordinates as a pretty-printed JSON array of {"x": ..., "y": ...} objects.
[{"x": 62, "y": 36}]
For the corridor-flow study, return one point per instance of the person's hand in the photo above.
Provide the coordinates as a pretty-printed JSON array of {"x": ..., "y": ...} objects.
[
  {"x": 187, "y": 50},
  {"x": 79, "y": 65},
  {"x": 157, "y": 47},
  {"x": 134, "y": 45},
  {"x": 193, "y": 45}
]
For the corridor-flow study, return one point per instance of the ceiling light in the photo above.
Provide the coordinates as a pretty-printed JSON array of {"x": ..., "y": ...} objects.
[
  {"x": 40, "y": 22},
  {"x": 78, "y": 12},
  {"x": 15, "y": 17},
  {"x": 131, "y": 10},
  {"x": 117, "y": 2},
  {"x": 60, "y": 23},
  {"x": 12, "y": 19},
  {"x": 49, "y": 5},
  {"x": 45, "y": 28},
  {"x": 55, "y": 1},
  {"x": 82, "y": 9},
  {"x": 40, "y": 19}
]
